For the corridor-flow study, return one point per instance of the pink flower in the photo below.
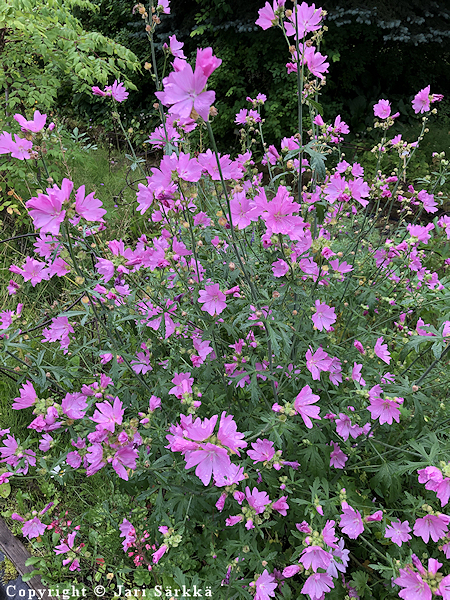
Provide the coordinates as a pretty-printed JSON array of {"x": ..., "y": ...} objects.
[
  {"x": 117, "y": 91},
  {"x": 291, "y": 571},
  {"x": 35, "y": 125},
  {"x": 128, "y": 532},
  {"x": 243, "y": 210},
  {"x": 415, "y": 586},
  {"x": 28, "y": 397},
  {"x": 47, "y": 212},
  {"x": 221, "y": 502},
  {"x": 281, "y": 506},
  {"x": 45, "y": 442},
  {"x": 435, "y": 526},
  {"x": 324, "y": 317},
  {"x": 351, "y": 522},
  {"x": 303, "y": 407},
  {"x": 434, "y": 480},
  {"x": 58, "y": 331},
  {"x": 257, "y": 500},
  {"x": 228, "y": 434},
  {"x": 317, "y": 585},
  {"x": 209, "y": 459},
  {"x": 160, "y": 552},
  {"x": 382, "y": 110},
  {"x": 428, "y": 201},
  {"x": 385, "y": 409},
  {"x": 184, "y": 90},
  {"x": 183, "y": 385},
  {"x": 20, "y": 148},
  {"x": 33, "y": 528},
  {"x": 265, "y": 586},
  {"x": 163, "y": 6},
  {"x": 319, "y": 361},
  {"x": 278, "y": 215},
  {"x": 263, "y": 451},
  {"x": 359, "y": 347},
  {"x": 315, "y": 62},
  {"x": 233, "y": 520},
  {"x": 124, "y": 457},
  {"x": 108, "y": 416},
  {"x": 267, "y": 17},
  {"x": 213, "y": 300},
  {"x": 89, "y": 208},
  {"x": 97, "y": 91},
  {"x": 337, "y": 457},
  {"x": 308, "y": 19},
  {"x": 206, "y": 61},
  {"x": 381, "y": 350},
  {"x": 74, "y": 405},
  {"x": 176, "y": 47},
  {"x": 356, "y": 374},
  {"x": 280, "y": 268},
  {"x": 421, "y": 101},
  {"x": 398, "y": 532},
  {"x": 315, "y": 557}
]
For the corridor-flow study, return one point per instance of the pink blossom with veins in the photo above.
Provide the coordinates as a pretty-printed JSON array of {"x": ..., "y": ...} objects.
[
  {"x": 28, "y": 397},
  {"x": 317, "y": 585},
  {"x": 280, "y": 268},
  {"x": 184, "y": 90},
  {"x": 20, "y": 148},
  {"x": 324, "y": 317},
  {"x": 58, "y": 331},
  {"x": 243, "y": 210},
  {"x": 435, "y": 526},
  {"x": 32, "y": 270},
  {"x": 281, "y": 506},
  {"x": 74, "y": 405},
  {"x": 36, "y": 125},
  {"x": 267, "y": 17},
  {"x": 315, "y": 557},
  {"x": 210, "y": 460},
  {"x": 303, "y": 406},
  {"x": 107, "y": 415},
  {"x": 317, "y": 362},
  {"x": 33, "y": 528},
  {"x": 257, "y": 500},
  {"x": 351, "y": 522},
  {"x": 398, "y": 532},
  {"x": 279, "y": 216},
  {"x": 176, "y": 47},
  {"x": 228, "y": 434},
  {"x": 213, "y": 300},
  {"x": 305, "y": 19},
  {"x": 423, "y": 99},
  {"x": 117, "y": 91},
  {"x": 415, "y": 586},
  {"x": 381, "y": 350},
  {"x": 263, "y": 451},
  {"x": 385, "y": 409},
  {"x": 88, "y": 207},
  {"x": 265, "y": 586},
  {"x": 337, "y": 457}
]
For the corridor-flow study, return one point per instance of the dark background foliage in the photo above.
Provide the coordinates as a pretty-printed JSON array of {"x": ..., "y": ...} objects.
[{"x": 376, "y": 49}]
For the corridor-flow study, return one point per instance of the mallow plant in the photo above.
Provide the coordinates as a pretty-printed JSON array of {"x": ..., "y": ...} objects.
[{"x": 262, "y": 373}]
